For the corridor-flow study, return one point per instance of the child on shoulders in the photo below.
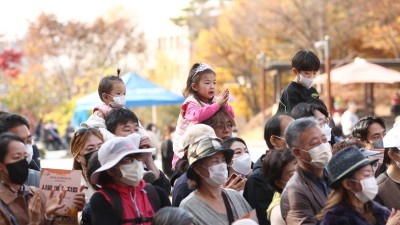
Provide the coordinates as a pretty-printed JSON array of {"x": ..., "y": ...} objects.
[{"x": 200, "y": 104}]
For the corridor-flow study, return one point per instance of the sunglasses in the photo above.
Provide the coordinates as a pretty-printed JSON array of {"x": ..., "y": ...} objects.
[{"x": 83, "y": 130}]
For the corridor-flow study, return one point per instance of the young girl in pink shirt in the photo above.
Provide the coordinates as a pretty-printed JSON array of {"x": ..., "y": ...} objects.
[{"x": 200, "y": 104}]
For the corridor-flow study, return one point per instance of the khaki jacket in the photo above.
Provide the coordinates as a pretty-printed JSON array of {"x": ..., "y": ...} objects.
[
  {"x": 18, "y": 204},
  {"x": 301, "y": 200}
]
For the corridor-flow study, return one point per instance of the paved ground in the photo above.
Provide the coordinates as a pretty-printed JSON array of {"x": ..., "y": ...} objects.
[{"x": 62, "y": 160}]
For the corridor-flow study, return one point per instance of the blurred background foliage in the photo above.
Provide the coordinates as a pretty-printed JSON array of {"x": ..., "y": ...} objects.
[{"x": 62, "y": 61}]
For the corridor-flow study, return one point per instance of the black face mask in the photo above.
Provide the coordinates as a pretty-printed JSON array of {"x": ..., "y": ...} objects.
[
  {"x": 87, "y": 157},
  {"x": 18, "y": 171}
]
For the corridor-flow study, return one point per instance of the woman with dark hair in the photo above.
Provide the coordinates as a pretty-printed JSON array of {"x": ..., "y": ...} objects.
[
  {"x": 21, "y": 204},
  {"x": 388, "y": 173},
  {"x": 209, "y": 203},
  {"x": 241, "y": 164},
  {"x": 278, "y": 168},
  {"x": 353, "y": 190}
]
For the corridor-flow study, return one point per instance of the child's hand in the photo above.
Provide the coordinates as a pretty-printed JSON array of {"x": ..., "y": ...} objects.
[
  {"x": 222, "y": 98},
  {"x": 145, "y": 142},
  {"x": 99, "y": 114}
]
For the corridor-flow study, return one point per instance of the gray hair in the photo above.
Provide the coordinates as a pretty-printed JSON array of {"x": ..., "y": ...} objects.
[
  {"x": 294, "y": 130},
  {"x": 172, "y": 216}
]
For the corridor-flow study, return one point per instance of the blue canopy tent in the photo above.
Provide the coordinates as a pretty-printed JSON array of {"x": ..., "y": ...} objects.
[{"x": 139, "y": 92}]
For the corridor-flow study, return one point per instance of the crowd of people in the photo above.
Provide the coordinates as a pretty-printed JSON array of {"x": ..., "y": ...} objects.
[{"x": 307, "y": 175}]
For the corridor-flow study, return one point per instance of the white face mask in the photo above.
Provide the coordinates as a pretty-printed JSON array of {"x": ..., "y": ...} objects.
[
  {"x": 398, "y": 164},
  {"x": 369, "y": 189},
  {"x": 320, "y": 155},
  {"x": 242, "y": 164},
  {"x": 306, "y": 82},
  {"x": 119, "y": 101},
  {"x": 218, "y": 174},
  {"x": 132, "y": 173},
  {"x": 29, "y": 151},
  {"x": 327, "y": 131}
]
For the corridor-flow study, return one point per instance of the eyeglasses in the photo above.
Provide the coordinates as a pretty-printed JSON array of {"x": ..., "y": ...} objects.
[
  {"x": 279, "y": 137},
  {"x": 228, "y": 126},
  {"x": 83, "y": 130},
  {"x": 323, "y": 121}
]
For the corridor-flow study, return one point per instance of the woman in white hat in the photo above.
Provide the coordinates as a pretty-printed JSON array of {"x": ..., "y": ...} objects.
[
  {"x": 354, "y": 188},
  {"x": 124, "y": 197},
  {"x": 207, "y": 172}
]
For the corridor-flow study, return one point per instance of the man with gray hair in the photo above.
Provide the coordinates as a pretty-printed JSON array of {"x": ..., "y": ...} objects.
[{"x": 306, "y": 192}]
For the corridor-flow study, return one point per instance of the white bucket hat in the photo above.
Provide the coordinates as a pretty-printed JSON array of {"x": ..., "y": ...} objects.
[
  {"x": 392, "y": 138},
  {"x": 113, "y": 150}
]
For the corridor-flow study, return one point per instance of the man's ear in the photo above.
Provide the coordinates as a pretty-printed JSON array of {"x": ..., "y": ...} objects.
[
  {"x": 294, "y": 71},
  {"x": 273, "y": 140},
  {"x": 194, "y": 86},
  {"x": 296, "y": 152}
]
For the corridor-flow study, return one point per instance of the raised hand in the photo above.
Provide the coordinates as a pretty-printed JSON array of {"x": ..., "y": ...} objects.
[
  {"x": 79, "y": 199},
  {"x": 54, "y": 203},
  {"x": 145, "y": 142},
  {"x": 237, "y": 184},
  {"x": 394, "y": 217},
  {"x": 223, "y": 98},
  {"x": 35, "y": 209}
]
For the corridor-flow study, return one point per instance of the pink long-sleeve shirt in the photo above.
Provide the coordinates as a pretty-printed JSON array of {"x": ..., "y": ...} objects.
[{"x": 193, "y": 112}]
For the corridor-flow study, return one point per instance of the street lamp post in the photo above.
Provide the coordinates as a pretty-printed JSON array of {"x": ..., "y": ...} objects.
[{"x": 327, "y": 49}]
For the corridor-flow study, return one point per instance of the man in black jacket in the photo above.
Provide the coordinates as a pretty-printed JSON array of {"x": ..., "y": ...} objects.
[{"x": 258, "y": 192}]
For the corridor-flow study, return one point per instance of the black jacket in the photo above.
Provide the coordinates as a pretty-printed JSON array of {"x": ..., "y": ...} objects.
[
  {"x": 258, "y": 192},
  {"x": 294, "y": 94},
  {"x": 347, "y": 215}
]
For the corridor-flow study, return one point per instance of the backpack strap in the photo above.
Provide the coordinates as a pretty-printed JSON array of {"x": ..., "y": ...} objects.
[
  {"x": 8, "y": 213},
  {"x": 228, "y": 208},
  {"x": 152, "y": 194},
  {"x": 116, "y": 202}
]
